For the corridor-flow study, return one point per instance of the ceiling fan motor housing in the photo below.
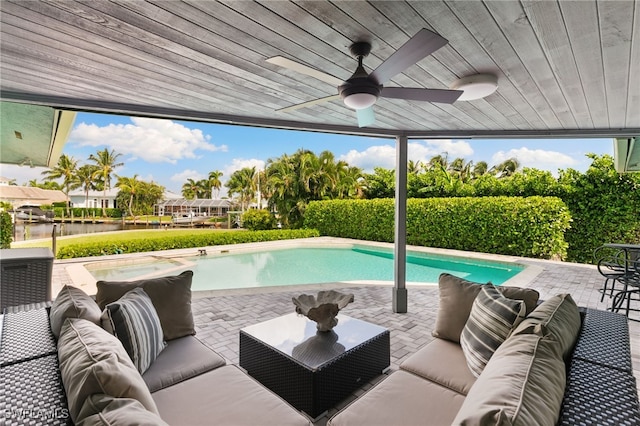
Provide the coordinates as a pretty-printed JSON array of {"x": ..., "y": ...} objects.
[
  {"x": 360, "y": 82},
  {"x": 356, "y": 85}
]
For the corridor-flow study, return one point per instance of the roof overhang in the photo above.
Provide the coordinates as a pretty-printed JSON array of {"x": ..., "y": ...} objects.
[
  {"x": 33, "y": 135},
  {"x": 627, "y": 154},
  {"x": 565, "y": 68}
]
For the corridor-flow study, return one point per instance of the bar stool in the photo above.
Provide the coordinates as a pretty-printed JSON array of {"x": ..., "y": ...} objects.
[
  {"x": 613, "y": 268},
  {"x": 630, "y": 292}
]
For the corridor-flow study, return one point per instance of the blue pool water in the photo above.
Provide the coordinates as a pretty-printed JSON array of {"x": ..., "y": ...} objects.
[{"x": 315, "y": 265}]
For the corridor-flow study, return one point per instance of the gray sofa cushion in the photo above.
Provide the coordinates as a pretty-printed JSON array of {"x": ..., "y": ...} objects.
[
  {"x": 224, "y": 396},
  {"x": 72, "y": 302},
  {"x": 442, "y": 362},
  {"x": 171, "y": 296},
  {"x": 402, "y": 399},
  {"x": 105, "y": 410},
  {"x": 182, "y": 359},
  {"x": 558, "y": 316}
]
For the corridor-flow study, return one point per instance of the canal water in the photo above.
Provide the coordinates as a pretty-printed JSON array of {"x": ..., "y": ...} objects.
[{"x": 33, "y": 231}]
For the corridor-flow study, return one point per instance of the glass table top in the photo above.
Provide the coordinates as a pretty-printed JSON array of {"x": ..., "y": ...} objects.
[{"x": 297, "y": 337}]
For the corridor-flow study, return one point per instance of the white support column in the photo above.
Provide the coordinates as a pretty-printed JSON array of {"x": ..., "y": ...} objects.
[{"x": 400, "y": 245}]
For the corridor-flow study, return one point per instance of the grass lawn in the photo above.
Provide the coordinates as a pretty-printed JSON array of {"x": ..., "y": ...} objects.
[{"x": 108, "y": 237}]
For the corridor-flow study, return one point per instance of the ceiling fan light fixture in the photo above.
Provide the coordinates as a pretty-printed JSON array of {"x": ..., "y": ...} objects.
[
  {"x": 360, "y": 100},
  {"x": 475, "y": 86}
]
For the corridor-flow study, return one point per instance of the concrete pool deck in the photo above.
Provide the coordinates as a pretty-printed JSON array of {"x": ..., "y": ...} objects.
[{"x": 219, "y": 315}]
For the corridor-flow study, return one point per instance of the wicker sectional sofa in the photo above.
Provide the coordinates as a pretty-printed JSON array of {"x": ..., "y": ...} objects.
[
  {"x": 85, "y": 376},
  {"x": 561, "y": 365}
]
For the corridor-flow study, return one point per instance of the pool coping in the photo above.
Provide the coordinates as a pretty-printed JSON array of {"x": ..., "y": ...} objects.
[{"x": 83, "y": 279}]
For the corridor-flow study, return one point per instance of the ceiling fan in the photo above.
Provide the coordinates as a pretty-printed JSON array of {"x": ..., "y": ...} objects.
[{"x": 361, "y": 91}]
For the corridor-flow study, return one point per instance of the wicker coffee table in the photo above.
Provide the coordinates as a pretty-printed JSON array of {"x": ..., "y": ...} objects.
[{"x": 313, "y": 370}]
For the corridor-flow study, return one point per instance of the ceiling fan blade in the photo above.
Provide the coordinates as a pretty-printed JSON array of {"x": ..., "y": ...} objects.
[
  {"x": 303, "y": 69},
  {"x": 309, "y": 103},
  {"x": 444, "y": 96},
  {"x": 366, "y": 117},
  {"x": 419, "y": 46}
]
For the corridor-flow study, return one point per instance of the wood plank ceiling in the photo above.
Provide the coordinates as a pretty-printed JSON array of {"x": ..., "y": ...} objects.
[{"x": 565, "y": 68}]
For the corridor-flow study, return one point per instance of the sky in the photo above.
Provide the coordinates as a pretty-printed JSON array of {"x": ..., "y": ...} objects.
[{"x": 169, "y": 152}]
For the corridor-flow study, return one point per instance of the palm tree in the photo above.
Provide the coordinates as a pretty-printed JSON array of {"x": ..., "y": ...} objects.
[
  {"x": 351, "y": 183},
  {"x": 190, "y": 189},
  {"x": 414, "y": 167},
  {"x": 85, "y": 178},
  {"x": 53, "y": 185},
  {"x": 313, "y": 173},
  {"x": 66, "y": 169},
  {"x": 439, "y": 161},
  {"x": 480, "y": 168},
  {"x": 130, "y": 185},
  {"x": 285, "y": 188},
  {"x": 214, "y": 183},
  {"x": 507, "y": 168},
  {"x": 106, "y": 162},
  {"x": 148, "y": 196},
  {"x": 243, "y": 182},
  {"x": 461, "y": 168},
  {"x": 203, "y": 189}
]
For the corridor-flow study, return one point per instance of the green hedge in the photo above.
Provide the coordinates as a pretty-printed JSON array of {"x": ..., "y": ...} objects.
[
  {"x": 530, "y": 227},
  {"x": 88, "y": 213},
  {"x": 168, "y": 242}
]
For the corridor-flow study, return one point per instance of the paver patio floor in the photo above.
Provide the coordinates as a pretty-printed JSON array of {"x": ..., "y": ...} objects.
[{"x": 219, "y": 318}]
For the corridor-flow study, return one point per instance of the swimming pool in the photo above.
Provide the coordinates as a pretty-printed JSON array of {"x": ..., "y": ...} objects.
[{"x": 311, "y": 265}]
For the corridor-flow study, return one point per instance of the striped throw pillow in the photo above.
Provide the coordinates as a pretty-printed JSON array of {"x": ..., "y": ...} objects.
[
  {"x": 492, "y": 319},
  {"x": 134, "y": 321}
]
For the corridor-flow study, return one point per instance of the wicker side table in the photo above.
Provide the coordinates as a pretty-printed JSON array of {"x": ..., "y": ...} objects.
[
  {"x": 25, "y": 276},
  {"x": 311, "y": 370}
]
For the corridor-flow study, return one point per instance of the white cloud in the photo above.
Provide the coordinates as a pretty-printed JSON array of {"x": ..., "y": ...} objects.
[
  {"x": 151, "y": 139},
  {"x": 187, "y": 174},
  {"x": 374, "y": 156},
  {"x": 22, "y": 174},
  {"x": 536, "y": 158},
  {"x": 385, "y": 155},
  {"x": 241, "y": 163}
]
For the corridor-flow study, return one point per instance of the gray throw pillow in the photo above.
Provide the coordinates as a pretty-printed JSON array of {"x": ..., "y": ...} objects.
[
  {"x": 134, "y": 321},
  {"x": 492, "y": 319},
  {"x": 523, "y": 384},
  {"x": 72, "y": 302},
  {"x": 456, "y": 299},
  {"x": 171, "y": 296}
]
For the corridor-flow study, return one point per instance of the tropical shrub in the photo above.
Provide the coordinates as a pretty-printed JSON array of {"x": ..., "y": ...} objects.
[
  {"x": 258, "y": 220},
  {"x": 169, "y": 242},
  {"x": 604, "y": 205},
  {"x": 531, "y": 227},
  {"x": 6, "y": 230}
]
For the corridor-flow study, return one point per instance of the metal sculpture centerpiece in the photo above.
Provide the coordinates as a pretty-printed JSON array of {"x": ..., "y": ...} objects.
[{"x": 324, "y": 308}]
